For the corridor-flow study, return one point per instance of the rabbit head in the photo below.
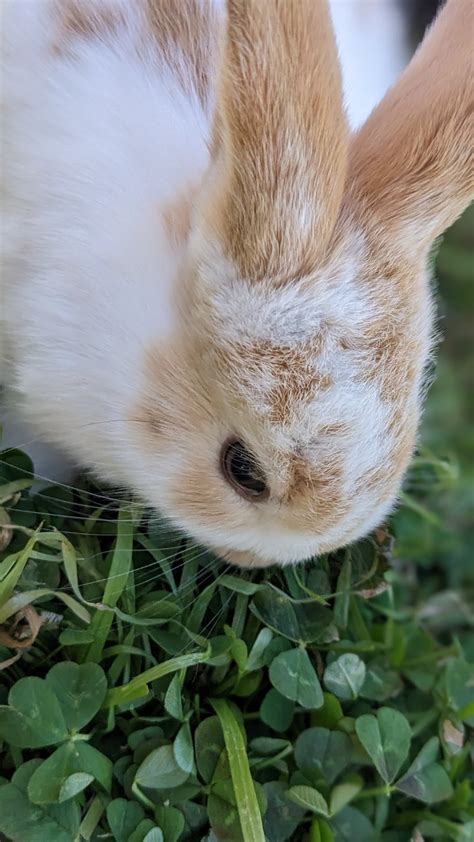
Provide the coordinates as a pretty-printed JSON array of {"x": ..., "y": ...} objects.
[{"x": 282, "y": 417}]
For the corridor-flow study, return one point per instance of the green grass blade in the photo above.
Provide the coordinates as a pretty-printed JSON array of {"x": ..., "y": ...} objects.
[
  {"x": 8, "y": 490},
  {"x": 91, "y": 819},
  {"x": 70, "y": 566},
  {"x": 20, "y": 600},
  {"x": 247, "y": 804},
  {"x": 161, "y": 560},
  {"x": 118, "y": 575},
  {"x": 11, "y": 569},
  {"x": 419, "y": 509},
  {"x": 138, "y": 686}
]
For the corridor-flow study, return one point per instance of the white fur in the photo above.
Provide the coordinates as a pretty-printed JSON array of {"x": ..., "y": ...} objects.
[{"x": 95, "y": 145}]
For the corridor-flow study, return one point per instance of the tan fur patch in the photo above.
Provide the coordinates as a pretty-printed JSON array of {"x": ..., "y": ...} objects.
[
  {"x": 193, "y": 494},
  {"x": 293, "y": 370},
  {"x": 153, "y": 411},
  {"x": 85, "y": 19},
  {"x": 177, "y": 217},
  {"x": 321, "y": 487},
  {"x": 240, "y": 558},
  {"x": 412, "y": 163},
  {"x": 285, "y": 398},
  {"x": 151, "y": 417},
  {"x": 338, "y": 429},
  {"x": 312, "y": 497},
  {"x": 280, "y": 138},
  {"x": 390, "y": 361},
  {"x": 186, "y": 34},
  {"x": 313, "y": 500}
]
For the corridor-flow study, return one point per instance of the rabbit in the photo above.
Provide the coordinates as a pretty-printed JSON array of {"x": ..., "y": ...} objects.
[
  {"x": 373, "y": 50},
  {"x": 214, "y": 293}
]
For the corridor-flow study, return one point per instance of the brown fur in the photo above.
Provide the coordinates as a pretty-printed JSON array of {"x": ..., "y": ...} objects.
[
  {"x": 85, "y": 19},
  {"x": 177, "y": 217},
  {"x": 286, "y": 398},
  {"x": 293, "y": 511},
  {"x": 157, "y": 421},
  {"x": 282, "y": 138},
  {"x": 390, "y": 351},
  {"x": 411, "y": 163},
  {"x": 292, "y": 368},
  {"x": 186, "y": 29},
  {"x": 323, "y": 485}
]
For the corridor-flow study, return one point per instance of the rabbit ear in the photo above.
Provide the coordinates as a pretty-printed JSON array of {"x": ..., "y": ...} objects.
[
  {"x": 280, "y": 138},
  {"x": 411, "y": 163}
]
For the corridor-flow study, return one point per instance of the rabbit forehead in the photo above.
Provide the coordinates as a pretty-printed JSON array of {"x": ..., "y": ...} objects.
[
  {"x": 290, "y": 309},
  {"x": 360, "y": 321}
]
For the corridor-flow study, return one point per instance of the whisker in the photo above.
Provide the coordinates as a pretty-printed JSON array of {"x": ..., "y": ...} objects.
[
  {"x": 40, "y": 438},
  {"x": 185, "y": 590},
  {"x": 66, "y": 515},
  {"x": 133, "y": 571},
  {"x": 212, "y": 624}
]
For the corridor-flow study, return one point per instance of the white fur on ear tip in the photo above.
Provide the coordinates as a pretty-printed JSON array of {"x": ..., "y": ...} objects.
[{"x": 373, "y": 48}]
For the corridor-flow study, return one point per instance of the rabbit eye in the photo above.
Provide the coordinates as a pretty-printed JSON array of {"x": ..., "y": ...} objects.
[{"x": 241, "y": 471}]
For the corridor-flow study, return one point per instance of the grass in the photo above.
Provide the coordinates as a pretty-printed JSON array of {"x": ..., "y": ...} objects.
[{"x": 148, "y": 692}]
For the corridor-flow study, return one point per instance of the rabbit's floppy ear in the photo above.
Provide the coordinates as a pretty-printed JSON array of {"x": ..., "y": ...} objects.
[
  {"x": 411, "y": 163},
  {"x": 279, "y": 149}
]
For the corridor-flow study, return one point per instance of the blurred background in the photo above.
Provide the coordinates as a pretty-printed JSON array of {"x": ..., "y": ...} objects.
[
  {"x": 440, "y": 540},
  {"x": 447, "y": 432}
]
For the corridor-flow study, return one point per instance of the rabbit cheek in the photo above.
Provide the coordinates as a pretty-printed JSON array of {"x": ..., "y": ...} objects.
[
  {"x": 150, "y": 425},
  {"x": 392, "y": 366},
  {"x": 196, "y": 502}
]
